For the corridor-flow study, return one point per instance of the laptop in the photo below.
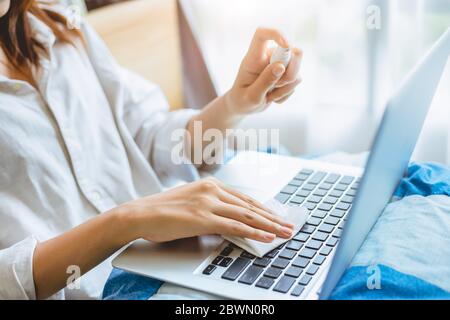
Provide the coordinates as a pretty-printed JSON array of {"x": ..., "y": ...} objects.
[{"x": 343, "y": 202}]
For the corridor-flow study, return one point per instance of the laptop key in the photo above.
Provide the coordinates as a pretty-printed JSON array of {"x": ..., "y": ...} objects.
[
  {"x": 317, "y": 177},
  {"x": 301, "y": 177},
  {"x": 307, "y": 172},
  {"x": 310, "y": 206},
  {"x": 307, "y": 228},
  {"x": 325, "y": 186},
  {"x": 351, "y": 193},
  {"x": 294, "y": 272},
  {"x": 347, "y": 180},
  {"x": 320, "y": 192},
  {"x": 307, "y": 253},
  {"x": 314, "y": 199},
  {"x": 297, "y": 199},
  {"x": 264, "y": 283},
  {"x": 321, "y": 236},
  {"x": 300, "y": 262},
  {"x": 332, "y": 178},
  {"x": 296, "y": 183},
  {"x": 225, "y": 262},
  {"x": 337, "y": 213},
  {"x": 294, "y": 245},
  {"x": 217, "y": 260},
  {"x": 280, "y": 263},
  {"x": 326, "y": 228},
  {"x": 332, "y": 220},
  {"x": 209, "y": 269},
  {"x": 319, "y": 260},
  {"x": 337, "y": 233},
  {"x": 309, "y": 187},
  {"x": 303, "y": 193},
  {"x": 288, "y": 254},
  {"x": 227, "y": 251},
  {"x": 305, "y": 280},
  {"x": 341, "y": 187},
  {"x": 347, "y": 199},
  {"x": 343, "y": 206},
  {"x": 355, "y": 186},
  {"x": 284, "y": 284},
  {"x": 262, "y": 262},
  {"x": 289, "y": 189},
  {"x": 273, "y": 273},
  {"x": 250, "y": 276},
  {"x": 326, "y": 250},
  {"x": 319, "y": 214},
  {"x": 325, "y": 207},
  {"x": 314, "y": 221},
  {"x": 314, "y": 244},
  {"x": 282, "y": 198},
  {"x": 247, "y": 255},
  {"x": 336, "y": 193},
  {"x": 332, "y": 242},
  {"x": 301, "y": 236},
  {"x": 236, "y": 269},
  {"x": 298, "y": 290},
  {"x": 312, "y": 270},
  {"x": 330, "y": 200},
  {"x": 272, "y": 254}
]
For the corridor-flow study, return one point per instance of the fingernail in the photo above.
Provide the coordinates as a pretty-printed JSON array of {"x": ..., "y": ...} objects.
[
  {"x": 278, "y": 70},
  {"x": 289, "y": 225},
  {"x": 285, "y": 223},
  {"x": 286, "y": 231},
  {"x": 269, "y": 236}
]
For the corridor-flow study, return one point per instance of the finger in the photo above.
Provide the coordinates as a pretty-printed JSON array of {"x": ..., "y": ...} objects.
[
  {"x": 268, "y": 215},
  {"x": 237, "y": 198},
  {"x": 283, "y": 100},
  {"x": 261, "y": 40},
  {"x": 280, "y": 93},
  {"x": 230, "y": 227},
  {"x": 265, "y": 82},
  {"x": 293, "y": 68},
  {"x": 252, "y": 219}
]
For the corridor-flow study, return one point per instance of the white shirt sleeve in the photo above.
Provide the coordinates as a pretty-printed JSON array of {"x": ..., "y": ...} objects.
[
  {"x": 144, "y": 111},
  {"x": 16, "y": 271}
]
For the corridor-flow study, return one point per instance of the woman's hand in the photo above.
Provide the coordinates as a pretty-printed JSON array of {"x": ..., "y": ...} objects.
[
  {"x": 203, "y": 208},
  {"x": 260, "y": 83}
]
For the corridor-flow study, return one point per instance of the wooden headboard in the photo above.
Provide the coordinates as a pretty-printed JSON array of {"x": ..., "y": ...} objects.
[{"x": 143, "y": 35}]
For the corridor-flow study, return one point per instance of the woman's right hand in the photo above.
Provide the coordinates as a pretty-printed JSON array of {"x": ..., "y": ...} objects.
[{"x": 202, "y": 208}]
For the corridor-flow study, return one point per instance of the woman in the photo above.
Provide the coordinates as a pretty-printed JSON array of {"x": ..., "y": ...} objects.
[{"x": 84, "y": 146}]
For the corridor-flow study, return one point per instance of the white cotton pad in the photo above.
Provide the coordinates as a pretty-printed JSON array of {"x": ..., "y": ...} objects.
[{"x": 295, "y": 215}]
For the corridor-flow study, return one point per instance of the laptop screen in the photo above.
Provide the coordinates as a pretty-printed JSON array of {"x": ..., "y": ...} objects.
[{"x": 391, "y": 152}]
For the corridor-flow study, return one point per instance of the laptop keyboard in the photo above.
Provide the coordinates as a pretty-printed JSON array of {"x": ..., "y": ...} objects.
[{"x": 290, "y": 268}]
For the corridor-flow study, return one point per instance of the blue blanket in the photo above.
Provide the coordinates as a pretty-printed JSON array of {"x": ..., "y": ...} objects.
[{"x": 405, "y": 256}]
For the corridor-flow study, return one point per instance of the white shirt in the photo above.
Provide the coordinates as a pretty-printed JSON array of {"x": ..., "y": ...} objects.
[{"x": 92, "y": 137}]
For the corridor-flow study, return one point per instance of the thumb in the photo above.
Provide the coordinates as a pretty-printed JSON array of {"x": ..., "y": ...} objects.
[{"x": 267, "y": 80}]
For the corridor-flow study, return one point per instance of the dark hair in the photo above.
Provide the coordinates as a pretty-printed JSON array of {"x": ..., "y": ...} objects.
[{"x": 16, "y": 39}]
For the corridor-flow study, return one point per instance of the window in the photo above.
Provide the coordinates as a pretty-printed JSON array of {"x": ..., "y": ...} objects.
[
  {"x": 349, "y": 71},
  {"x": 331, "y": 33}
]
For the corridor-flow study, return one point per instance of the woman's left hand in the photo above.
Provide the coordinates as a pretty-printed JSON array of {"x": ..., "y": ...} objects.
[{"x": 260, "y": 83}]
